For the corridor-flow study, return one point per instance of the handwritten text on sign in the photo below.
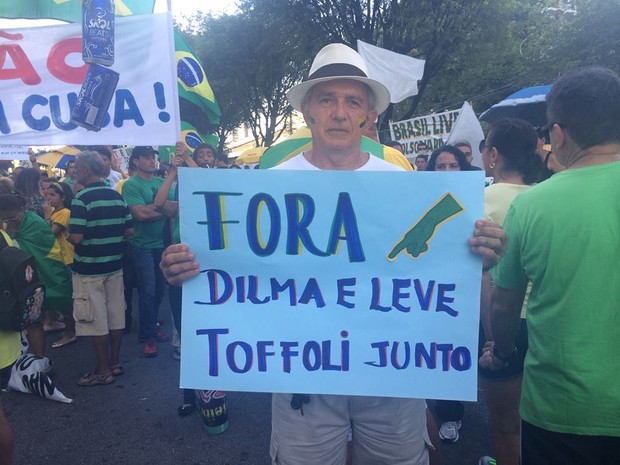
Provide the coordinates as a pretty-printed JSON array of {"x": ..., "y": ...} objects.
[{"x": 331, "y": 282}]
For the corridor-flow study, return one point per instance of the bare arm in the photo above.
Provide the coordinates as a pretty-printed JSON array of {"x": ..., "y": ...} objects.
[
  {"x": 75, "y": 238},
  {"x": 485, "y": 305},
  {"x": 162, "y": 204},
  {"x": 505, "y": 317},
  {"x": 145, "y": 213}
]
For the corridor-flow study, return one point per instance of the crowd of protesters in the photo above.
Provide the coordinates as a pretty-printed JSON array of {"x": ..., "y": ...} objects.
[{"x": 97, "y": 234}]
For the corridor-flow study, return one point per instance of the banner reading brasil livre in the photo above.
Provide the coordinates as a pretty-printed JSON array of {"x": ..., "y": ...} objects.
[
  {"x": 432, "y": 130},
  {"x": 331, "y": 282},
  {"x": 41, "y": 72}
]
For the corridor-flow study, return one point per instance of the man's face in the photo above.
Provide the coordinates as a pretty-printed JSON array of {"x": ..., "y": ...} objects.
[
  {"x": 467, "y": 151},
  {"x": 70, "y": 170},
  {"x": 371, "y": 132},
  {"x": 420, "y": 164},
  {"x": 81, "y": 173},
  {"x": 43, "y": 185},
  {"x": 205, "y": 157},
  {"x": 146, "y": 163},
  {"x": 337, "y": 113},
  {"x": 107, "y": 163}
]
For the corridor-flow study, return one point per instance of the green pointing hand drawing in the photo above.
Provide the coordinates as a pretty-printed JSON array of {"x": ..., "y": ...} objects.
[{"x": 416, "y": 241}]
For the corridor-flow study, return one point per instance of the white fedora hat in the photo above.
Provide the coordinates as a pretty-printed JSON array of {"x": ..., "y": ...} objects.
[{"x": 337, "y": 61}]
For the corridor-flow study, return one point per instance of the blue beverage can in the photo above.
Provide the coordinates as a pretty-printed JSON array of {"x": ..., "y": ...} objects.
[
  {"x": 95, "y": 97},
  {"x": 211, "y": 406},
  {"x": 98, "y": 31}
]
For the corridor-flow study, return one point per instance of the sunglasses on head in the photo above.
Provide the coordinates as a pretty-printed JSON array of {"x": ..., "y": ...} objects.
[
  {"x": 543, "y": 131},
  {"x": 483, "y": 145}
]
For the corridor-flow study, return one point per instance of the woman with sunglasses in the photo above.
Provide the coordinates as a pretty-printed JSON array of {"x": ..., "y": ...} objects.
[{"x": 509, "y": 156}]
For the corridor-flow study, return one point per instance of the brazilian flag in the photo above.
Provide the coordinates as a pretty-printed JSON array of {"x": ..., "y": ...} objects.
[
  {"x": 192, "y": 137},
  {"x": 66, "y": 10},
  {"x": 196, "y": 99},
  {"x": 35, "y": 237},
  {"x": 301, "y": 141}
]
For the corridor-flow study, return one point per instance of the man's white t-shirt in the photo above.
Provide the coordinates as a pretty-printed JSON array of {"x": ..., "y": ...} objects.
[
  {"x": 402, "y": 418},
  {"x": 300, "y": 163}
]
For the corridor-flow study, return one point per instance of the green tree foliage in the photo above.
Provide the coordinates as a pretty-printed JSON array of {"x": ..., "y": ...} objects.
[
  {"x": 590, "y": 36},
  {"x": 475, "y": 50},
  {"x": 433, "y": 30},
  {"x": 211, "y": 42},
  {"x": 253, "y": 58}
]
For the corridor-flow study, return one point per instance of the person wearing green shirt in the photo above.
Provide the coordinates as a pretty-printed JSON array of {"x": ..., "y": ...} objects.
[
  {"x": 146, "y": 246},
  {"x": 564, "y": 237}
]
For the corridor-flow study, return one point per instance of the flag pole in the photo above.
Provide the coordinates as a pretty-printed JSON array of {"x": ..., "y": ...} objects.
[{"x": 169, "y": 5}]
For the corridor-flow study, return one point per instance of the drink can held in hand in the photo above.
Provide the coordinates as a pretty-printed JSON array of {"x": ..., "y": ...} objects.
[
  {"x": 98, "y": 32},
  {"x": 94, "y": 98},
  {"x": 211, "y": 406}
]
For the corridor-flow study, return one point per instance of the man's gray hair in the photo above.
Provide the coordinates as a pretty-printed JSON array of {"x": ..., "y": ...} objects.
[
  {"x": 92, "y": 161},
  {"x": 372, "y": 98}
]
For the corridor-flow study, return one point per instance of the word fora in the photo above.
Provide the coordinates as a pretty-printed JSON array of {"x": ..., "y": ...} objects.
[
  {"x": 242, "y": 357},
  {"x": 221, "y": 287},
  {"x": 299, "y": 213}
]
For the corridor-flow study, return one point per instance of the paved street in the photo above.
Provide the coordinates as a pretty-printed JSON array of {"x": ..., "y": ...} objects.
[{"x": 134, "y": 421}]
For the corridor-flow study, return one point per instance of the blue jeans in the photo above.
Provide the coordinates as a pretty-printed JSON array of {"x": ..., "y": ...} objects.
[{"x": 151, "y": 285}]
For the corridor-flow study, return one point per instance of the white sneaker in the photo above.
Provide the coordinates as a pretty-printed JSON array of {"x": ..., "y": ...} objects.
[
  {"x": 449, "y": 431},
  {"x": 486, "y": 460}
]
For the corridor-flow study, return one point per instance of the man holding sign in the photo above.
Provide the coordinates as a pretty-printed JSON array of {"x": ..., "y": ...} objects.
[{"x": 338, "y": 102}]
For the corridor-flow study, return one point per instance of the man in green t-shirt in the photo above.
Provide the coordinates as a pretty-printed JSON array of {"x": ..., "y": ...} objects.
[
  {"x": 564, "y": 237},
  {"x": 147, "y": 245}
]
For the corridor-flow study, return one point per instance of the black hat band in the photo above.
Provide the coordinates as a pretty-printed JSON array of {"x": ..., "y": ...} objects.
[{"x": 337, "y": 70}]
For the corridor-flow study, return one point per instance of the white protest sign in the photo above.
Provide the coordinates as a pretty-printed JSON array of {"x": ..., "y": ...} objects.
[
  {"x": 467, "y": 129},
  {"x": 41, "y": 73},
  {"x": 14, "y": 152},
  {"x": 431, "y": 130}
]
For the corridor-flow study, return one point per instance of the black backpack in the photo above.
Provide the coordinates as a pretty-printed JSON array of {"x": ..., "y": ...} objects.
[{"x": 21, "y": 292}]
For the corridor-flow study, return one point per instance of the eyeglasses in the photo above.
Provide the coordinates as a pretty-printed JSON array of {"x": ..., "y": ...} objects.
[
  {"x": 483, "y": 145},
  {"x": 546, "y": 129}
]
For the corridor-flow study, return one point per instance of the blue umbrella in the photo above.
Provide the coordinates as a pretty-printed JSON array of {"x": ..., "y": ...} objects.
[{"x": 528, "y": 104}]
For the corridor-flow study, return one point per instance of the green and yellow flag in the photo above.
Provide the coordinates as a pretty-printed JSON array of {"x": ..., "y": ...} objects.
[
  {"x": 196, "y": 99},
  {"x": 66, "y": 10},
  {"x": 35, "y": 237},
  {"x": 192, "y": 137},
  {"x": 301, "y": 141}
]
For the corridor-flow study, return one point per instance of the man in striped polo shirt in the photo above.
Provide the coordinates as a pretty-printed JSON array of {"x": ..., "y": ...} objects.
[{"x": 100, "y": 222}]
